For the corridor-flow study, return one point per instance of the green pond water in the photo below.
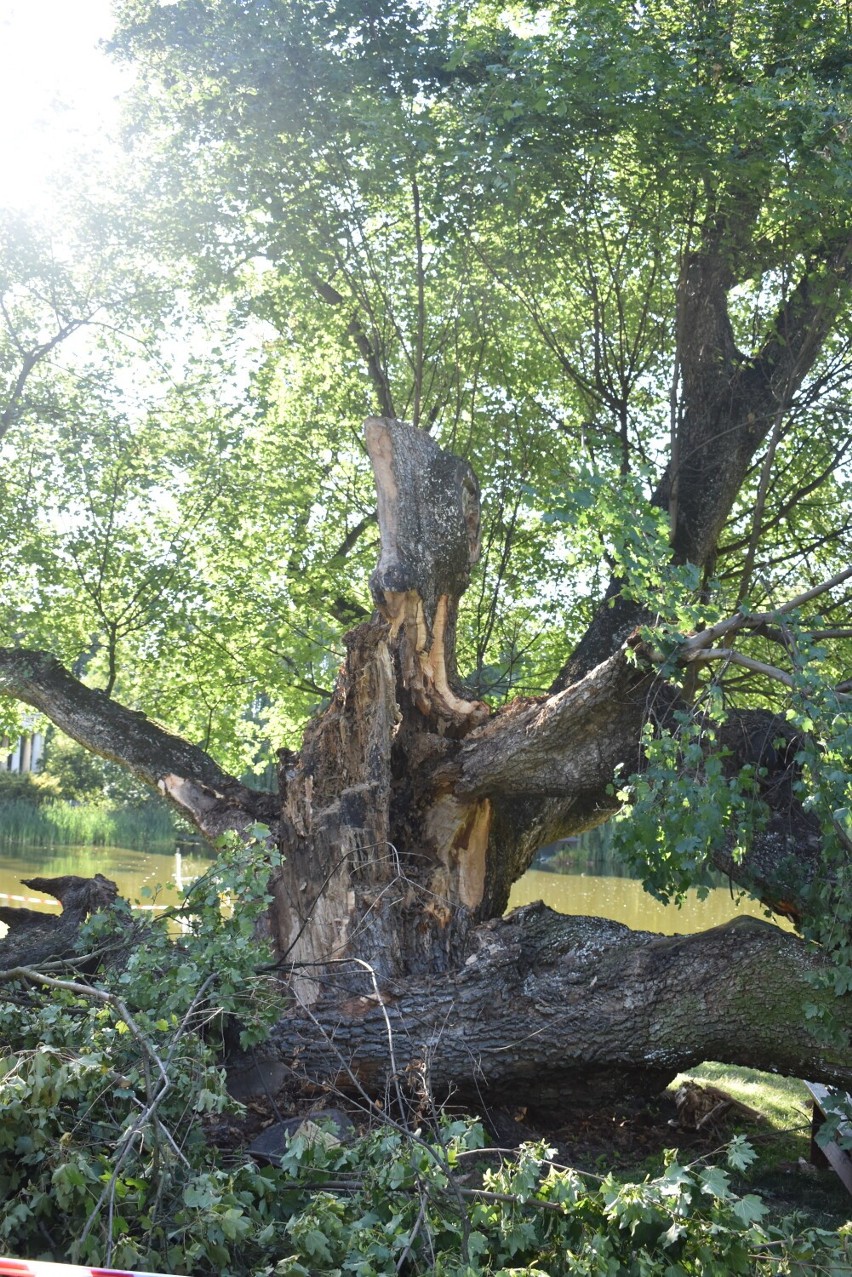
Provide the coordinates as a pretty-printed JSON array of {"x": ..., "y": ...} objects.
[
  {"x": 589, "y": 884},
  {"x": 133, "y": 871},
  {"x": 601, "y": 895}
]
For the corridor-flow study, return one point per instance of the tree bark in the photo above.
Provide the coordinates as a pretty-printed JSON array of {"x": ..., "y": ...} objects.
[
  {"x": 35, "y": 937},
  {"x": 553, "y": 1012},
  {"x": 411, "y": 809},
  {"x": 190, "y": 779}
]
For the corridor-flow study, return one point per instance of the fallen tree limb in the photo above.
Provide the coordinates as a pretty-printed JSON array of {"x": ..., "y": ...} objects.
[
  {"x": 550, "y": 1011},
  {"x": 561, "y": 1012}
]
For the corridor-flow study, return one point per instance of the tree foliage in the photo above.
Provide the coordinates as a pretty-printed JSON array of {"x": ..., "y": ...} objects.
[{"x": 522, "y": 228}]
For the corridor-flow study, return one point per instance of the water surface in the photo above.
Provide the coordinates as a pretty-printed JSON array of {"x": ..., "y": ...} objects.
[
  {"x": 590, "y": 886},
  {"x": 605, "y": 896},
  {"x": 133, "y": 871}
]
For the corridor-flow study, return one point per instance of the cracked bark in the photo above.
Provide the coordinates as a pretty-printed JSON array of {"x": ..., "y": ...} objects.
[{"x": 558, "y": 1012}]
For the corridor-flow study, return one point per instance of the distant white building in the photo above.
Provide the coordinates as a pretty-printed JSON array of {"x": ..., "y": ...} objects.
[{"x": 23, "y": 755}]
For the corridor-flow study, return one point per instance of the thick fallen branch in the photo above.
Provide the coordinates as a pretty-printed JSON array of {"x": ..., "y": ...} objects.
[
  {"x": 555, "y": 1012},
  {"x": 564, "y": 746},
  {"x": 569, "y": 743}
]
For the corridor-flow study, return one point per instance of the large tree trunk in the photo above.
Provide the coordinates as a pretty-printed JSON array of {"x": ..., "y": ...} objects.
[
  {"x": 410, "y": 811},
  {"x": 557, "y": 1012}
]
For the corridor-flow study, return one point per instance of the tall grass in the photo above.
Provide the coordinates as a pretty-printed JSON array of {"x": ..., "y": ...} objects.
[{"x": 56, "y": 823}]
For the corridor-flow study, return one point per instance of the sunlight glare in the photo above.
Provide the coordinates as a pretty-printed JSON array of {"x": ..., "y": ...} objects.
[{"x": 58, "y": 93}]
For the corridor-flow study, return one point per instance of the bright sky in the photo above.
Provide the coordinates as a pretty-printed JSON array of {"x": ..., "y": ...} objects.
[{"x": 57, "y": 92}]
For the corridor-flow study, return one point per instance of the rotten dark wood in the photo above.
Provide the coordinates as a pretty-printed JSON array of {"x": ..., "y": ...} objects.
[{"x": 35, "y": 937}]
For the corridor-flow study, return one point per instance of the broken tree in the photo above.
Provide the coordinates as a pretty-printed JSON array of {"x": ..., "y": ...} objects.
[{"x": 411, "y": 809}]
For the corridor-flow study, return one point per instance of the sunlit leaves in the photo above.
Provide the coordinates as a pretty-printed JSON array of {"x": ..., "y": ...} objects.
[
  {"x": 682, "y": 807},
  {"x": 474, "y": 216}
]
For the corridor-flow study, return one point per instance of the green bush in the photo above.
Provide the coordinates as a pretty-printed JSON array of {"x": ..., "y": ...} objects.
[
  {"x": 105, "y": 1087},
  {"x": 29, "y": 788},
  {"x": 80, "y": 776},
  {"x": 79, "y": 799},
  {"x": 395, "y": 1203}
]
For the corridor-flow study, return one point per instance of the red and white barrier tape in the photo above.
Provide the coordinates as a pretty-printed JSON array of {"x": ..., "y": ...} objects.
[{"x": 36, "y": 1268}]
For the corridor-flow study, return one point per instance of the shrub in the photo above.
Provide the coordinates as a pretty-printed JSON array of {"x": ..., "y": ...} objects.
[{"x": 104, "y": 1087}]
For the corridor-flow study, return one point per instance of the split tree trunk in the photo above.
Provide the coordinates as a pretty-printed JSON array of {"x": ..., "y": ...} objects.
[{"x": 408, "y": 814}]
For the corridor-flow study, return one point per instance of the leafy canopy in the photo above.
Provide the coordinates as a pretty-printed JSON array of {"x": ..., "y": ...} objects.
[{"x": 471, "y": 215}]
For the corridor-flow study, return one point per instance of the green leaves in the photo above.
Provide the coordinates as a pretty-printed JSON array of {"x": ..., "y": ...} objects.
[
  {"x": 388, "y": 1199},
  {"x": 84, "y": 1070},
  {"x": 528, "y": 1217},
  {"x": 476, "y": 218},
  {"x": 683, "y": 806}
]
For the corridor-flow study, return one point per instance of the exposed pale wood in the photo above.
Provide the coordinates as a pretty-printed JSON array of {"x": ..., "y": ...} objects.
[
  {"x": 409, "y": 812},
  {"x": 428, "y": 510},
  {"x": 831, "y": 1154}
]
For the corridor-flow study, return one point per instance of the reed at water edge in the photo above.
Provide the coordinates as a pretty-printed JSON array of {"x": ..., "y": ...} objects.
[{"x": 65, "y": 824}]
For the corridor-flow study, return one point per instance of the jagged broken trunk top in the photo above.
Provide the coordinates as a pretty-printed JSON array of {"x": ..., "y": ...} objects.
[{"x": 383, "y": 862}]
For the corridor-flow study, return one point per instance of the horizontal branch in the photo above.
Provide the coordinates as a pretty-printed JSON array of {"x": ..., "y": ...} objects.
[
  {"x": 552, "y": 1011},
  {"x": 733, "y": 657},
  {"x": 565, "y": 745},
  {"x": 568, "y": 745},
  {"x": 754, "y": 620},
  {"x": 200, "y": 790}
]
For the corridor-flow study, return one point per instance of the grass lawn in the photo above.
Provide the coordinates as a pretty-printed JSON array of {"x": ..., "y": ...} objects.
[{"x": 782, "y": 1174}]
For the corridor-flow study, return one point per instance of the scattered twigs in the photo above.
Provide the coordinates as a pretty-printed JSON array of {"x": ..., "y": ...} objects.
[
  {"x": 418, "y": 1224},
  {"x": 155, "y": 1069},
  {"x": 354, "y": 1184},
  {"x": 341, "y": 1059},
  {"x": 31, "y": 976},
  {"x": 365, "y": 966},
  {"x": 155, "y": 1097},
  {"x": 400, "y": 1126}
]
